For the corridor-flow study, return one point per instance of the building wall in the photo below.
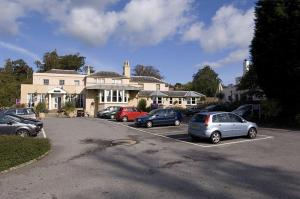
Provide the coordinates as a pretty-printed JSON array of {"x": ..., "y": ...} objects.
[{"x": 38, "y": 78}]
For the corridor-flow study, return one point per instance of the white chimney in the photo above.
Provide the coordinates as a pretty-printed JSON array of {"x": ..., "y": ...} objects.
[
  {"x": 126, "y": 69},
  {"x": 88, "y": 70}
]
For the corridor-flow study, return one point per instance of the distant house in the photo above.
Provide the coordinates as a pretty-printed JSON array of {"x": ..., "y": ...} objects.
[{"x": 99, "y": 90}]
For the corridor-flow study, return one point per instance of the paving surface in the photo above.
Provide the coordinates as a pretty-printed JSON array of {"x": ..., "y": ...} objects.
[{"x": 93, "y": 158}]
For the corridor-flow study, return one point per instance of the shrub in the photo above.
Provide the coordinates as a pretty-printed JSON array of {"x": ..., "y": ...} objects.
[
  {"x": 142, "y": 105},
  {"x": 40, "y": 107},
  {"x": 69, "y": 107},
  {"x": 297, "y": 118}
]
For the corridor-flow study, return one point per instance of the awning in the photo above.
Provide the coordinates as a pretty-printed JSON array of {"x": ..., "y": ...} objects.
[
  {"x": 57, "y": 90},
  {"x": 113, "y": 87}
]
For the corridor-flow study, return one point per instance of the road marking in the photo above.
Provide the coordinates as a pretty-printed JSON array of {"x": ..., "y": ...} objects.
[
  {"x": 44, "y": 133},
  {"x": 191, "y": 143}
]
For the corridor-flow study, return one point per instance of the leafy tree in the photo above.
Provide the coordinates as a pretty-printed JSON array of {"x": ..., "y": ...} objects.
[
  {"x": 85, "y": 69},
  {"x": 142, "y": 105},
  {"x": 206, "y": 81},
  {"x": 141, "y": 70},
  {"x": 67, "y": 62},
  {"x": 275, "y": 51},
  {"x": 13, "y": 74}
]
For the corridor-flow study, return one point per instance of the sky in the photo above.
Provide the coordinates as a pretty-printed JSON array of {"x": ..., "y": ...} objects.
[{"x": 178, "y": 37}]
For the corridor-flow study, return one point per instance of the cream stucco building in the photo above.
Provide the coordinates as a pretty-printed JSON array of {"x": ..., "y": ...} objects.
[{"x": 92, "y": 92}]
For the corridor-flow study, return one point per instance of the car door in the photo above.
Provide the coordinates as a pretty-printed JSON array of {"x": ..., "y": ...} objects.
[
  {"x": 222, "y": 123},
  {"x": 239, "y": 128},
  {"x": 170, "y": 116},
  {"x": 5, "y": 126}
]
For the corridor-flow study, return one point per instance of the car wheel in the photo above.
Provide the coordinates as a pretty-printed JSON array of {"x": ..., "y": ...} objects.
[
  {"x": 177, "y": 122},
  {"x": 124, "y": 119},
  {"x": 215, "y": 137},
  {"x": 149, "y": 124},
  {"x": 23, "y": 133},
  {"x": 252, "y": 133}
]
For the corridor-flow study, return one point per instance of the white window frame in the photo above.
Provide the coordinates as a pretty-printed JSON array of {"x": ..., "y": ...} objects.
[{"x": 76, "y": 82}]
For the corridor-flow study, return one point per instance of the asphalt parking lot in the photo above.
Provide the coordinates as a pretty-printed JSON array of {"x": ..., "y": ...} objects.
[
  {"x": 179, "y": 134},
  {"x": 95, "y": 158}
]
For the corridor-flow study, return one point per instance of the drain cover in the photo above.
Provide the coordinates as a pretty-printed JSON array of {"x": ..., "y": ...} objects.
[{"x": 126, "y": 142}]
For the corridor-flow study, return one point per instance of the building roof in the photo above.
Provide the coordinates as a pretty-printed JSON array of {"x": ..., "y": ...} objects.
[
  {"x": 145, "y": 79},
  {"x": 170, "y": 93},
  {"x": 60, "y": 71},
  {"x": 106, "y": 74}
]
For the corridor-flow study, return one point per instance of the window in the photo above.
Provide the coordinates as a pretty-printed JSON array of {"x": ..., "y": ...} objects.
[
  {"x": 171, "y": 100},
  {"x": 100, "y": 80},
  {"x": 120, "y": 96},
  {"x": 179, "y": 100},
  {"x": 77, "y": 82},
  {"x": 101, "y": 97},
  {"x": 170, "y": 112},
  {"x": 114, "y": 96},
  {"x": 30, "y": 100},
  {"x": 234, "y": 118},
  {"x": 158, "y": 87},
  {"x": 191, "y": 101},
  {"x": 221, "y": 118},
  {"x": 61, "y": 82},
  {"x": 46, "y": 81},
  {"x": 79, "y": 101},
  {"x": 21, "y": 112},
  {"x": 108, "y": 95},
  {"x": 117, "y": 81},
  {"x": 126, "y": 96},
  {"x": 41, "y": 97}
]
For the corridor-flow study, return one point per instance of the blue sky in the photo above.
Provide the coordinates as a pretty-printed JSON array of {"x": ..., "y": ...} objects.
[{"x": 176, "y": 36}]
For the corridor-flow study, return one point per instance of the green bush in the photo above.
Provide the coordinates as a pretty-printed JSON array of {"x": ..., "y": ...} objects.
[
  {"x": 297, "y": 119},
  {"x": 40, "y": 107},
  {"x": 69, "y": 107},
  {"x": 142, "y": 105},
  {"x": 270, "y": 109}
]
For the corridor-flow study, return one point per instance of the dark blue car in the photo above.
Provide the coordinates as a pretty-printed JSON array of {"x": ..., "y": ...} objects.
[{"x": 160, "y": 117}]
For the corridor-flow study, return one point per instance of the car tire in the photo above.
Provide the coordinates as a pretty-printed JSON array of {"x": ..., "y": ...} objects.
[
  {"x": 124, "y": 119},
  {"x": 177, "y": 123},
  {"x": 22, "y": 133},
  {"x": 252, "y": 133},
  {"x": 149, "y": 124},
  {"x": 215, "y": 137}
]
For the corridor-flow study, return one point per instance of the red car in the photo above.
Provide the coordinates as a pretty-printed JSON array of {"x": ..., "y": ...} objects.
[{"x": 129, "y": 114}]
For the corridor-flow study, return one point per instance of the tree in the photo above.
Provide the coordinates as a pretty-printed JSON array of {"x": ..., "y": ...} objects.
[
  {"x": 13, "y": 74},
  {"x": 51, "y": 60},
  {"x": 142, "y": 105},
  {"x": 141, "y": 70},
  {"x": 206, "y": 81},
  {"x": 275, "y": 50}
]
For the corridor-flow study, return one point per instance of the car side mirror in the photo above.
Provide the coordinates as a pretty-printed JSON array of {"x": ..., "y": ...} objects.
[{"x": 10, "y": 122}]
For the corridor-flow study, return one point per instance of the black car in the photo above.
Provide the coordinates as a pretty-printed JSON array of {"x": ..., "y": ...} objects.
[
  {"x": 192, "y": 110},
  {"x": 215, "y": 107},
  {"x": 35, "y": 122},
  {"x": 159, "y": 117},
  {"x": 244, "y": 110},
  {"x": 111, "y": 114}
]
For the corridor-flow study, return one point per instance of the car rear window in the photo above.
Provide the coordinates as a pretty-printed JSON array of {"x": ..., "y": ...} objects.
[{"x": 199, "y": 118}]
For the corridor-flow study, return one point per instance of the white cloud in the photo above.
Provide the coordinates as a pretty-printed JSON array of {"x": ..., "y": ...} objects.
[
  {"x": 232, "y": 57},
  {"x": 230, "y": 28},
  {"x": 139, "y": 22},
  {"x": 19, "y": 50},
  {"x": 149, "y": 22}
]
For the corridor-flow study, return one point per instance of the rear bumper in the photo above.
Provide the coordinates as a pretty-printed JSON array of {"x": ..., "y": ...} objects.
[{"x": 199, "y": 133}]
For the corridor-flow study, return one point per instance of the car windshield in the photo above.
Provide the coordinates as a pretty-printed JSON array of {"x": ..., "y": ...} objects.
[
  {"x": 210, "y": 107},
  {"x": 13, "y": 118}
]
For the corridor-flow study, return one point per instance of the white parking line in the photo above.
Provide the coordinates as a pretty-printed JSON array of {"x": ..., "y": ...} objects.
[
  {"x": 191, "y": 143},
  {"x": 44, "y": 133}
]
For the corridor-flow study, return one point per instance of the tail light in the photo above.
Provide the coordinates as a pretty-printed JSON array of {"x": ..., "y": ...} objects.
[{"x": 206, "y": 120}]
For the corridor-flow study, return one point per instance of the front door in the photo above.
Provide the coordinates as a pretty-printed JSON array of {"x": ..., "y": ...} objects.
[{"x": 57, "y": 102}]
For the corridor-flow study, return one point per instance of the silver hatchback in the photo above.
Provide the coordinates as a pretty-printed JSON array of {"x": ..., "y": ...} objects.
[{"x": 218, "y": 125}]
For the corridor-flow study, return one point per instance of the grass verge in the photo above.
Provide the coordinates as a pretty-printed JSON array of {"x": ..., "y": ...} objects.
[{"x": 16, "y": 150}]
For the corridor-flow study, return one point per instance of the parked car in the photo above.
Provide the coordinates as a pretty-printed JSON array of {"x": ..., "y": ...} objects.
[
  {"x": 192, "y": 110},
  {"x": 215, "y": 107},
  {"x": 106, "y": 110},
  {"x": 35, "y": 122},
  {"x": 8, "y": 126},
  {"x": 160, "y": 117},
  {"x": 218, "y": 125},
  {"x": 129, "y": 114},
  {"x": 23, "y": 112},
  {"x": 244, "y": 110},
  {"x": 111, "y": 114}
]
